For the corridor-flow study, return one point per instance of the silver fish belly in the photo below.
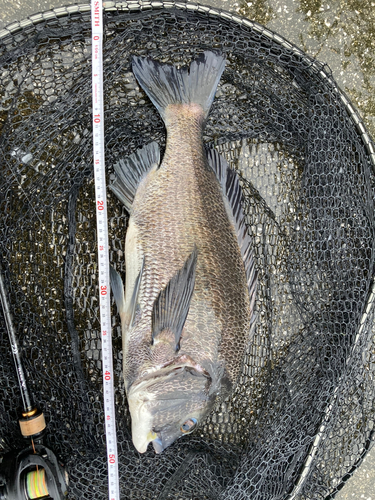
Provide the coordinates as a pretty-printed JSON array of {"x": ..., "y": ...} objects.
[{"x": 190, "y": 278}]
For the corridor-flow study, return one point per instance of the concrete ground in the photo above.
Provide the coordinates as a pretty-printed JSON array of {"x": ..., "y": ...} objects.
[{"x": 340, "y": 33}]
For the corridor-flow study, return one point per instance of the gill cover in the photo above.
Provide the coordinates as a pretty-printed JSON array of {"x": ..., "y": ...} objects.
[{"x": 164, "y": 402}]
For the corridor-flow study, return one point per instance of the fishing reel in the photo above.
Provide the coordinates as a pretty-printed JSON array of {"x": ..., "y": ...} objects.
[{"x": 33, "y": 473}]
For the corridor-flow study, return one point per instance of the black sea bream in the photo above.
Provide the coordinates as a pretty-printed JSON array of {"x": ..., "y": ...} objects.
[{"x": 187, "y": 308}]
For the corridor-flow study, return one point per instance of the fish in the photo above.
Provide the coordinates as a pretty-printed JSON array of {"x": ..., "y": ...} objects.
[{"x": 187, "y": 308}]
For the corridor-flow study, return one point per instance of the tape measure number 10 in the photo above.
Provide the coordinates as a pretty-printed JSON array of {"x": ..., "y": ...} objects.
[{"x": 102, "y": 242}]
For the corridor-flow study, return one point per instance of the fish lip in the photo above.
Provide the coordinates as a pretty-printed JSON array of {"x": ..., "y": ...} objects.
[
  {"x": 183, "y": 361},
  {"x": 158, "y": 445}
]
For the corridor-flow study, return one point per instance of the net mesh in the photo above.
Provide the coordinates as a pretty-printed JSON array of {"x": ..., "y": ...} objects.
[{"x": 301, "y": 417}]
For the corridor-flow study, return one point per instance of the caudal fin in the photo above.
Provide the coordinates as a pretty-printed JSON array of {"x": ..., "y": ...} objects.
[{"x": 166, "y": 84}]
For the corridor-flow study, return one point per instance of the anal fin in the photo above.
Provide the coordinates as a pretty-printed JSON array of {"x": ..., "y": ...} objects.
[
  {"x": 131, "y": 170},
  {"x": 171, "y": 307}
]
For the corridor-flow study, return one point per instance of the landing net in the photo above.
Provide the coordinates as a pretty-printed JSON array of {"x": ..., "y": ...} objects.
[{"x": 302, "y": 415}]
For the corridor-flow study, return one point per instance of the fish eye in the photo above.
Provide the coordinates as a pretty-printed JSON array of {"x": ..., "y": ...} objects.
[{"x": 188, "y": 426}]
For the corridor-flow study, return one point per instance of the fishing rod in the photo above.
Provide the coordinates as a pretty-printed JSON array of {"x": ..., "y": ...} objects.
[{"x": 33, "y": 472}]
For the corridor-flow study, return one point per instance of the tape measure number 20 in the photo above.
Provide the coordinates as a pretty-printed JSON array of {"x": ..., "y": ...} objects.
[{"x": 102, "y": 241}]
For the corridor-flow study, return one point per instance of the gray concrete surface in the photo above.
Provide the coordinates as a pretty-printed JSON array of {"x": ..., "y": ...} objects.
[{"x": 340, "y": 33}]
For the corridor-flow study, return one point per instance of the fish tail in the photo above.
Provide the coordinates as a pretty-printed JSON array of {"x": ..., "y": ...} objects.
[{"x": 165, "y": 84}]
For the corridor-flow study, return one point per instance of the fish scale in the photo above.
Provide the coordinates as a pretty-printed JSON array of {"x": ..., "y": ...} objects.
[
  {"x": 163, "y": 220},
  {"x": 187, "y": 241}
]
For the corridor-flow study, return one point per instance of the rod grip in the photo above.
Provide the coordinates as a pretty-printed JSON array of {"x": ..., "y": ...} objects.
[{"x": 32, "y": 425}]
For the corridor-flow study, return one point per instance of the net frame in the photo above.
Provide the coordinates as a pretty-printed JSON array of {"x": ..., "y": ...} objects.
[{"x": 316, "y": 67}]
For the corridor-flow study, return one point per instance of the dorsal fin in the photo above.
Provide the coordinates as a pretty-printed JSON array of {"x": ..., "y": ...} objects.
[
  {"x": 171, "y": 307},
  {"x": 232, "y": 191},
  {"x": 131, "y": 170}
]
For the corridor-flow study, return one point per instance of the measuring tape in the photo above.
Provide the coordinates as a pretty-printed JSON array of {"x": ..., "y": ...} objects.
[{"x": 102, "y": 239}]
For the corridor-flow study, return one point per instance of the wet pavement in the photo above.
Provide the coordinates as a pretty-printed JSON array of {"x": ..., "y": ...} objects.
[{"x": 340, "y": 33}]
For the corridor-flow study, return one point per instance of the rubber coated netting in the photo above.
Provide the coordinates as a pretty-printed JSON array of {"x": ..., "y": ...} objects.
[{"x": 302, "y": 416}]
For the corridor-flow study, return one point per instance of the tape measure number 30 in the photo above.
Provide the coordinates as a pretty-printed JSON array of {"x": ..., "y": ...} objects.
[{"x": 102, "y": 241}]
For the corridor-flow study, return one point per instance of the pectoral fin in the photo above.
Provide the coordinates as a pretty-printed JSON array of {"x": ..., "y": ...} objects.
[{"x": 172, "y": 304}]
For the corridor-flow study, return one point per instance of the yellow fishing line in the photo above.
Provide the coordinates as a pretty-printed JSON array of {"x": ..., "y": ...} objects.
[{"x": 36, "y": 484}]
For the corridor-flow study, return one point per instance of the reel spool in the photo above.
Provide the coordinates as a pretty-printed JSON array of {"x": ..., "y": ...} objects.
[{"x": 30, "y": 475}]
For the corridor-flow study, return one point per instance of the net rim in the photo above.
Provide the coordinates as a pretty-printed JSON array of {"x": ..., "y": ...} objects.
[
  {"x": 144, "y": 5},
  {"x": 314, "y": 66}
]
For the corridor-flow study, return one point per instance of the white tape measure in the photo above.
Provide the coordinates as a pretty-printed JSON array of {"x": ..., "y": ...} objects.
[{"x": 102, "y": 242}]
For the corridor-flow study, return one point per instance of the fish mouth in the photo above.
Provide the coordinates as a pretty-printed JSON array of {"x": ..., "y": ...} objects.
[{"x": 160, "y": 391}]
